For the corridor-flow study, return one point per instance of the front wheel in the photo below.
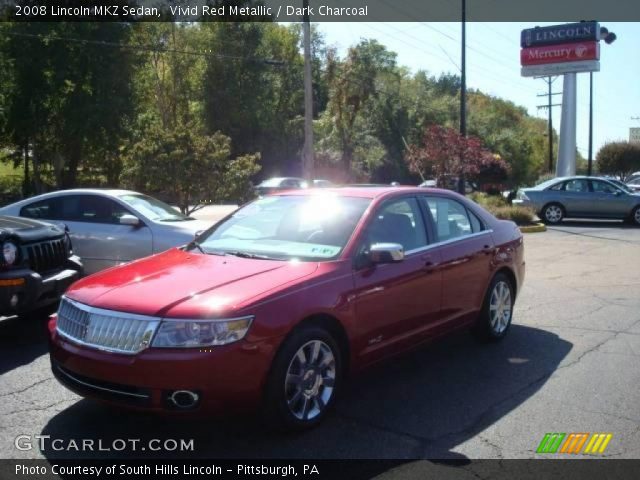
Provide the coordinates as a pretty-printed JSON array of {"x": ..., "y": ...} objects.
[
  {"x": 497, "y": 310},
  {"x": 304, "y": 380},
  {"x": 635, "y": 215},
  {"x": 552, "y": 213}
]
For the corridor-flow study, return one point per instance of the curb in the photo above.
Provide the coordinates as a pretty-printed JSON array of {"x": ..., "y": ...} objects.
[{"x": 538, "y": 227}]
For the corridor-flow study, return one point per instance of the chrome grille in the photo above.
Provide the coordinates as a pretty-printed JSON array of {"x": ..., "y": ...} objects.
[{"x": 105, "y": 329}]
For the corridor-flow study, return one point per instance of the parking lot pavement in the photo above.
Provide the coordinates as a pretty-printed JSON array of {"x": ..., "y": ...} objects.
[{"x": 571, "y": 363}]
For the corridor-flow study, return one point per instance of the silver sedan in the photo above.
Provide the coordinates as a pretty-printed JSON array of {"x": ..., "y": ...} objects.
[
  {"x": 580, "y": 197},
  {"x": 110, "y": 227}
]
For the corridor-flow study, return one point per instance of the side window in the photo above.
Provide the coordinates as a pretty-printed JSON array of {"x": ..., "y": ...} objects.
[
  {"x": 46, "y": 209},
  {"x": 95, "y": 209},
  {"x": 578, "y": 185},
  {"x": 398, "y": 221},
  {"x": 557, "y": 186},
  {"x": 476, "y": 224},
  {"x": 450, "y": 218},
  {"x": 602, "y": 187}
]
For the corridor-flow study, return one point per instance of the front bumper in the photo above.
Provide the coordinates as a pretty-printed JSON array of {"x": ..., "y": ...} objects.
[
  {"x": 33, "y": 290},
  {"x": 227, "y": 378}
]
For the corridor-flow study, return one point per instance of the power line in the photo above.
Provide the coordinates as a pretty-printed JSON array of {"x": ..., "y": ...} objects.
[{"x": 149, "y": 48}]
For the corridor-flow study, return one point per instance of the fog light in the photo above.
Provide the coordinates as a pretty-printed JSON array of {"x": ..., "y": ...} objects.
[{"x": 13, "y": 301}]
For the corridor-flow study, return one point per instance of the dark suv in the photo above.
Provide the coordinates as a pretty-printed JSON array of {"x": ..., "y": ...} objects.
[{"x": 36, "y": 264}]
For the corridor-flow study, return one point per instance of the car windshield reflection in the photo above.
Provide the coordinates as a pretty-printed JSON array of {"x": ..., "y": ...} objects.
[
  {"x": 308, "y": 228},
  {"x": 153, "y": 208}
]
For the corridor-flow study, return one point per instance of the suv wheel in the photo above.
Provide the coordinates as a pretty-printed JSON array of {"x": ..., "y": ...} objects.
[{"x": 635, "y": 215}]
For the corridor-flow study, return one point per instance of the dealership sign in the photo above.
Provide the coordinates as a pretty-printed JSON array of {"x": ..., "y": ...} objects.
[
  {"x": 560, "y": 49},
  {"x": 550, "y": 69},
  {"x": 556, "y": 34},
  {"x": 564, "y": 52}
]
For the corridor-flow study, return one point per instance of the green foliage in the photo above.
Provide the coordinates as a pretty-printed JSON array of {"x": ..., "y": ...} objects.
[
  {"x": 619, "y": 158},
  {"x": 519, "y": 215},
  {"x": 545, "y": 177},
  {"x": 488, "y": 201},
  {"x": 189, "y": 168},
  {"x": 80, "y": 112}
]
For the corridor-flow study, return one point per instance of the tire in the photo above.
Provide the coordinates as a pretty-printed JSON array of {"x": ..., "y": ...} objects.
[
  {"x": 552, "y": 213},
  {"x": 497, "y": 310},
  {"x": 305, "y": 378},
  {"x": 635, "y": 216}
]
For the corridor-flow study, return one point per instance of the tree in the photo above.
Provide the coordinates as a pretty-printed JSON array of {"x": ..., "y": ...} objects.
[
  {"x": 352, "y": 83},
  {"x": 189, "y": 168},
  {"x": 69, "y": 102},
  {"x": 444, "y": 153},
  {"x": 619, "y": 158}
]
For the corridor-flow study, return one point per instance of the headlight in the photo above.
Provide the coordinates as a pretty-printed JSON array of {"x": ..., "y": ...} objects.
[
  {"x": 9, "y": 253},
  {"x": 200, "y": 333}
]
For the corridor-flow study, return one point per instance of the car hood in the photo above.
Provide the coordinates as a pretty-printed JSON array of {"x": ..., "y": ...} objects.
[
  {"x": 28, "y": 230},
  {"x": 189, "y": 226},
  {"x": 186, "y": 284}
]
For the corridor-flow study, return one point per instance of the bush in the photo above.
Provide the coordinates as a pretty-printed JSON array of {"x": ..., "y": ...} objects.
[
  {"x": 488, "y": 201},
  {"x": 519, "y": 215}
]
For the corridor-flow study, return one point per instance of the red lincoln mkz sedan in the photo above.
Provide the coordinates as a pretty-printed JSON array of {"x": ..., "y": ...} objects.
[{"x": 275, "y": 304}]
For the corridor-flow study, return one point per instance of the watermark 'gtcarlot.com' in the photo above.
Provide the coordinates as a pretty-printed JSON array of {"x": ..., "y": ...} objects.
[{"x": 46, "y": 443}]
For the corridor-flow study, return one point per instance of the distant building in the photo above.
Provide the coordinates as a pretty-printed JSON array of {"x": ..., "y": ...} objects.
[{"x": 634, "y": 134}]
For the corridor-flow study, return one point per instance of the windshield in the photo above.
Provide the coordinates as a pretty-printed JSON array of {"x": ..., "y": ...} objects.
[
  {"x": 620, "y": 185},
  {"x": 272, "y": 182},
  {"x": 152, "y": 208},
  {"x": 308, "y": 228}
]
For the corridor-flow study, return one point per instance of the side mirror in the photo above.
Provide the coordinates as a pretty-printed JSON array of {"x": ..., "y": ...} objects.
[
  {"x": 130, "y": 220},
  {"x": 386, "y": 253},
  {"x": 617, "y": 193}
]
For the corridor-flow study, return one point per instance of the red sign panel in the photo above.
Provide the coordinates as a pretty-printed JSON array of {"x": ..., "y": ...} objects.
[{"x": 565, "y": 52}]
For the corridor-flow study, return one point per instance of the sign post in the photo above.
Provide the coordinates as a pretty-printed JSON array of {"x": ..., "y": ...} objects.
[{"x": 562, "y": 50}]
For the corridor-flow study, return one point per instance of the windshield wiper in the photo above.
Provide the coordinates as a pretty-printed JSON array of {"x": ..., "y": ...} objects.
[
  {"x": 250, "y": 255},
  {"x": 195, "y": 244}
]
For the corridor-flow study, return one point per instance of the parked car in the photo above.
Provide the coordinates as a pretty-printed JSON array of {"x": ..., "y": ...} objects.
[
  {"x": 110, "y": 227},
  {"x": 274, "y": 305},
  {"x": 634, "y": 185},
  {"x": 280, "y": 184},
  {"x": 37, "y": 264},
  {"x": 320, "y": 183},
  {"x": 580, "y": 197}
]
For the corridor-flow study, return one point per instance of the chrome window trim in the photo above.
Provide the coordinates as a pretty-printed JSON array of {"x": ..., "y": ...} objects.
[
  {"x": 97, "y": 387},
  {"x": 447, "y": 242}
]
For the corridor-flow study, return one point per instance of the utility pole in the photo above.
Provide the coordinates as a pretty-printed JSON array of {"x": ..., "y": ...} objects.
[
  {"x": 307, "y": 154},
  {"x": 549, "y": 106},
  {"x": 590, "y": 159},
  {"x": 463, "y": 93}
]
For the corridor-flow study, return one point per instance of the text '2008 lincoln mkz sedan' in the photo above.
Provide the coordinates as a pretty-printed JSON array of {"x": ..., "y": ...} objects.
[{"x": 274, "y": 305}]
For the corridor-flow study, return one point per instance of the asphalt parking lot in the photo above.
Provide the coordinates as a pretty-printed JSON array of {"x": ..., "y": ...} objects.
[{"x": 571, "y": 363}]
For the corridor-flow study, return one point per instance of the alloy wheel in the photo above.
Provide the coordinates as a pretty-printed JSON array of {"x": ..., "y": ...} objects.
[
  {"x": 310, "y": 380},
  {"x": 500, "y": 307},
  {"x": 553, "y": 213},
  {"x": 636, "y": 216}
]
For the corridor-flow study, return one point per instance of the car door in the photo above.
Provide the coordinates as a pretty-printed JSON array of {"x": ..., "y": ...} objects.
[
  {"x": 577, "y": 198},
  {"x": 609, "y": 200},
  {"x": 465, "y": 247},
  {"x": 97, "y": 236},
  {"x": 396, "y": 303}
]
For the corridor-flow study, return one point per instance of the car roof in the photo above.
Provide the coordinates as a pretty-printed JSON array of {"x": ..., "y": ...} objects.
[
  {"x": 362, "y": 192},
  {"x": 108, "y": 192}
]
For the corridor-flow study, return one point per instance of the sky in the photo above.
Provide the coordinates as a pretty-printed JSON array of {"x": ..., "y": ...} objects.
[{"x": 493, "y": 67}]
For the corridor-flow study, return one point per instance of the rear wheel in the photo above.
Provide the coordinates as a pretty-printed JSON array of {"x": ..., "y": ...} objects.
[
  {"x": 552, "y": 213},
  {"x": 304, "y": 380},
  {"x": 497, "y": 310}
]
